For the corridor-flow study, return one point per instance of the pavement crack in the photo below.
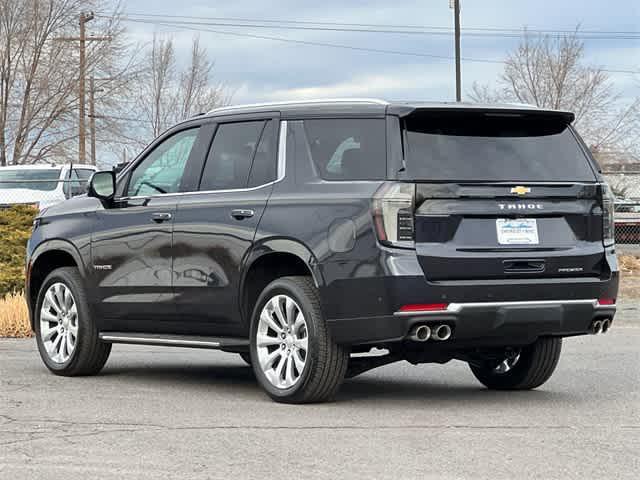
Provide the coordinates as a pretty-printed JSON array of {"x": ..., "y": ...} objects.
[{"x": 141, "y": 427}]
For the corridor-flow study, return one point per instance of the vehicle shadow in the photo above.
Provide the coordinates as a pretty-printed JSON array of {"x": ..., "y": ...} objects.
[
  {"x": 380, "y": 390},
  {"x": 188, "y": 377},
  {"x": 240, "y": 380}
]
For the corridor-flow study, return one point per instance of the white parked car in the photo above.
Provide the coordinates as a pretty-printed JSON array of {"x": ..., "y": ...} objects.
[{"x": 42, "y": 185}]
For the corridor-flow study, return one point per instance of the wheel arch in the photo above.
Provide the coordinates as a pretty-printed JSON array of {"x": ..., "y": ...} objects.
[
  {"x": 47, "y": 257},
  {"x": 273, "y": 259}
]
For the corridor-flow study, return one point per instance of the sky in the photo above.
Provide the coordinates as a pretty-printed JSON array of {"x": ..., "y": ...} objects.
[{"x": 264, "y": 70}]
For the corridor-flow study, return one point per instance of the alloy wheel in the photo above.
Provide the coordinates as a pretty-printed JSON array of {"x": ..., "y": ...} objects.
[
  {"x": 282, "y": 341},
  {"x": 508, "y": 363},
  {"x": 59, "y": 323}
]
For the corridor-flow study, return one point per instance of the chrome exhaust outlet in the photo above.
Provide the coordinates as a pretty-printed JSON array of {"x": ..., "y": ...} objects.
[
  {"x": 606, "y": 323},
  {"x": 442, "y": 333},
  {"x": 596, "y": 327},
  {"x": 420, "y": 333}
]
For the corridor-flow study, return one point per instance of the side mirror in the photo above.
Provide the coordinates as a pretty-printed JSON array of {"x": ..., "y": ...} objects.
[{"x": 103, "y": 185}]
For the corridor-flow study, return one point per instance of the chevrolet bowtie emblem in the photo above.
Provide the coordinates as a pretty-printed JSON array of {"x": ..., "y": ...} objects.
[{"x": 520, "y": 190}]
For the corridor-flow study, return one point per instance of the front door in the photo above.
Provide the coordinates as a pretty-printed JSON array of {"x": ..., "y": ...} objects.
[
  {"x": 132, "y": 243},
  {"x": 215, "y": 226}
]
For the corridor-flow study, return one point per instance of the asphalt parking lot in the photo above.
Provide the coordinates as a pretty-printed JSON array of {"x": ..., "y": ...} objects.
[{"x": 171, "y": 413}]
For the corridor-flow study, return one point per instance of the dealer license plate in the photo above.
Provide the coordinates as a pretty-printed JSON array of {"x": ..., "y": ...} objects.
[{"x": 517, "y": 231}]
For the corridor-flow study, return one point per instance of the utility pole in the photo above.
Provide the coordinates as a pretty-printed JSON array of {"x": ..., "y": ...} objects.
[
  {"x": 82, "y": 39},
  {"x": 456, "y": 14},
  {"x": 92, "y": 119},
  {"x": 82, "y": 152}
]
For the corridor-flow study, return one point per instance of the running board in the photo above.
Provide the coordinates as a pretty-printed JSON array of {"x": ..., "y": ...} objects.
[{"x": 190, "y": 341}]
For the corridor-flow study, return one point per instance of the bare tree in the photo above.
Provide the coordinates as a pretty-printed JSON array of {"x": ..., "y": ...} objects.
[
  {"x": 551, "y": 72},
  {"x": 168, "y": 94},
  {"x": 38, "y": 75}
]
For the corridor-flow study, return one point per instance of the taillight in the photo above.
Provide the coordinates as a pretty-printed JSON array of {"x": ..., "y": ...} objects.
[
  {"x": 393, "y": 208},
  {"x": 608, "y": 223}
]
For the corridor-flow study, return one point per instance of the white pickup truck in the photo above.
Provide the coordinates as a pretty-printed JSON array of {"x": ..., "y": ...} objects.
[{"x": 42, "y": 185}]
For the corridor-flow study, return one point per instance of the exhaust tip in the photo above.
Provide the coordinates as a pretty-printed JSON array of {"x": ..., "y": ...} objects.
[
  {"x": 442, "y": 333},
  {"x": 596, "y": 327},
  {"x": 606, "y": 324},
  {"x": 420, "y": 333}
]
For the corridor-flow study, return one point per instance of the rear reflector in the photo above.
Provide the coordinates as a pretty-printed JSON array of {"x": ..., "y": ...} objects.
[
  {"x": 606, "y": 301},
  {"x": 424, "y": 307}
]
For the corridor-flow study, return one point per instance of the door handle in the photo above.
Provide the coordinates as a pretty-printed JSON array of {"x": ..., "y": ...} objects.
[
  {"x": 160, "y": 217},
  {"x": 239, "y": 213}
]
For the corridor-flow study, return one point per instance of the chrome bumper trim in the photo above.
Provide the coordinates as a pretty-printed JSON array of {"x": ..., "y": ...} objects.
[{"x": 458, "y": 307}]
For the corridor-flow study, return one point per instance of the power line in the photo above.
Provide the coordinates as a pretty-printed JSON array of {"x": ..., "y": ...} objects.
[
  {"x": 337, "y": 45},
  {"x": 319, "y": 44},
  {"x": 414, "y": 28},
  {"x": 466, "y": 33}
]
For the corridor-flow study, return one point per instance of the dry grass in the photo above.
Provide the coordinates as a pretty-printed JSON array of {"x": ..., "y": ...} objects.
[
  {"x": 14, "y": 317},
  {"x": 629, "y": 264},
  {"x": 629, "y": 277}
]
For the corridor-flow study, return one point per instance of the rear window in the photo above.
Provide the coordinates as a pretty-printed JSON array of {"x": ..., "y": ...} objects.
[
  {"x": 30, "y": 178},
  {"x": 347, "y": 149},
  {"x": 482, "y": 147}
]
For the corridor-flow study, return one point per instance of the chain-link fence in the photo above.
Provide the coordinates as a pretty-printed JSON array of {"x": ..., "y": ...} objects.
[
  {"x": 626, "y": 188},
  {"x": 41, "y": 186}
]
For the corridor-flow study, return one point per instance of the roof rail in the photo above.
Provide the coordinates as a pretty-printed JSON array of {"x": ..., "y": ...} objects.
[
  {"x": 521, "y": 104},
  {"x": 301, "y": 102}
]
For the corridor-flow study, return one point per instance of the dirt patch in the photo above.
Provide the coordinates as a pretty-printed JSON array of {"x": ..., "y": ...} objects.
[
  {"x": 629, "y": 286},
  {"x": 14, "y": 317}
]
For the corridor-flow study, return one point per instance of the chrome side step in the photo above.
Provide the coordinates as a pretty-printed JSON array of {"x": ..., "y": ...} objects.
[{"x": 167, "y": 340}]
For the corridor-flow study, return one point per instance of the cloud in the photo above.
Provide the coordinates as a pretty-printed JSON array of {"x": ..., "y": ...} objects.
[
  {"x": 271, "y": 70},
  {"x": 399, "y": 83}
]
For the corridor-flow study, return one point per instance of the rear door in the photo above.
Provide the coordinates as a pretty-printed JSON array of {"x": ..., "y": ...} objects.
[
  {"x": 502, "y": 195},
  {"x": 215, "y": 225}
]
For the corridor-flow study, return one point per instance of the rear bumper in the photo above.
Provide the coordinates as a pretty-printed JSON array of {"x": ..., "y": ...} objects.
[
  {"x": 360, "y": 307},
  {"x": 481, "y": 323}
]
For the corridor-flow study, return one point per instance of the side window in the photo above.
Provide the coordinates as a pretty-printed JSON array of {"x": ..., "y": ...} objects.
[
  {"x": 230, "y": 157},
  {"x": 263, "y": 169},
  {"x": 84, "y": 174},
  {"x": 161, "y": 171},
  {"x": 347, "y": 149},
  {"x": 71, "y": 183}
]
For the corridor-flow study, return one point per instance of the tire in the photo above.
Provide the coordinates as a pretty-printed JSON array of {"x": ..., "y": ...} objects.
[
  {"x": 246, "y": 356},
  {"x": 89, "y": 353},
  {"x": 324, "y": 362},
  {"x": 534, "y": 367}
]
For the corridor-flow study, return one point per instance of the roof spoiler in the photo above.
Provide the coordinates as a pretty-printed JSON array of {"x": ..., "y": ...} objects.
[{"x": 505, "y": 111}]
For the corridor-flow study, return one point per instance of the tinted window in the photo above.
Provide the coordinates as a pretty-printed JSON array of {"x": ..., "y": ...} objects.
[
  {"x": 161, "y": 171},
  {"x": 84, "y": 174},
  {"x": 29, "y": 178},
  {"x": 77, "y": 184},
  {"x": 493, "y": 148},
  {"x": 263, "y": 169},
  {"x": 230, "y": 156},
  {"x": 347, "y": 149}
]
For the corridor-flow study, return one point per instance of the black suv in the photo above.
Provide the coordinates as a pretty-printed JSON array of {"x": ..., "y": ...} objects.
[{"x": 303, "y": 235}]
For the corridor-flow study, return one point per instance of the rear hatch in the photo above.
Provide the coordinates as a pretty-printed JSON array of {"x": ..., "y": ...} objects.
[{"x": 502, "y": 195}]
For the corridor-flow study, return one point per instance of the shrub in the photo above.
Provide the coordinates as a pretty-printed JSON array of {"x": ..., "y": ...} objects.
[{"x": 15, "y": 228}]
